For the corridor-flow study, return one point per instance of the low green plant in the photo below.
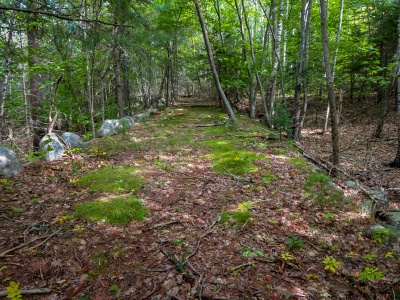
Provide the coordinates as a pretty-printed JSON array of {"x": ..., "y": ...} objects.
[
  {"x": 113, "y": 179},
  {"x": 280, "y": 152},
  {"x": 369, "y": 257},
  {"x": 331, "y": 264},
  {"x": 382, "y": 233},
  {"x": 14, "y": 291},
  {"x": 268, "y": 177},
  {"x": 248, "y": 252},
  {"x": 370, "y": 273},
  {"x": 286, "y": 256},
  {"x": 299, "y": 163},
  {"x": 116, "y": 289},
  {"x": 295, "y": 242},
  {"x": 120, "y": 210},
  {"x": 317, "y": 188},
  {"x": 238, "y": 216}
]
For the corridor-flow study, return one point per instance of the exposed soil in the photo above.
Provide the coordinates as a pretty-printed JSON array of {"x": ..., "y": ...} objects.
[{"x": 84, "y": 260}]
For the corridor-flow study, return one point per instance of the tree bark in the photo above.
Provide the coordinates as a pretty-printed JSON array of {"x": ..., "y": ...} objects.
[
  {"x": 117, "y": 71},
  {"x": 334, "y": 61},
  {"x": 212, "y": 64},
  {"x": 299, "y": 71},
  {"x": 252, "y": 100},
  {"x": 331, "y": 88},
  {"x": 6, "y": 73},
  {"x": 35, "y": 81},
  {"x": 396, "y": 162},
  {"x": 26, "y": 110}
]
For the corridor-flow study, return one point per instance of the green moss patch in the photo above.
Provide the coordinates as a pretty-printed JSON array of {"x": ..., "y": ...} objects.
[
  {"x": 237, "y": 216},
  {"x": 299, "y": 163},
  {"x": 120, "y": 210},
  {"x": 236, "y": 162},
  {"x": 113, "y": 179}
]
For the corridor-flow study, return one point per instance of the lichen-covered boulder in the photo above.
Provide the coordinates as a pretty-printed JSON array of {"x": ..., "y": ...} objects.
[
  {"x": 151, "y": 111},
  {"x": 108, "y": 128},
  {"x": 52, "y": 146},
  {"x": 387, "y": 235},
  {"x": 124, "y": 124},
  {"x": 9, "y": 163},
  {"x": 73, "y": 140},
  {"x": 141, "y": 118},
  {"x": 161, "y": 104}
]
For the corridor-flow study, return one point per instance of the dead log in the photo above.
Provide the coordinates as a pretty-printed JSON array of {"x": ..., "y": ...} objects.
[{"x": 28, "y": 292}]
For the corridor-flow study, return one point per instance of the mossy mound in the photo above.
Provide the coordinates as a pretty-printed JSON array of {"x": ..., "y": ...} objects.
[
  {"x": 113, "y": 179},
  {"x": 120, "y": 210}
]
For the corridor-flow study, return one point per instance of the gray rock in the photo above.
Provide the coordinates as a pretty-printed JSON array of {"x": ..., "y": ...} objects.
[
  {"x": 367, "y": 209},
  {"x": 151, "y": 110},
  {"x": 391, "y": 240},
  {"x": 54, "y": 149},
  {"x": 381, "y": 199},
  {"x": 73, "y": 140},
  {"x": 108, "y": 128},
  {"x": 394, "y": 217},
  {"x": 9, "y": 163},
  {"x": 141, "y": 118},
  {"x": 124, "y": 124},
  {"x": 161, "y": 104},
  {"x": 351, "y": 184}
]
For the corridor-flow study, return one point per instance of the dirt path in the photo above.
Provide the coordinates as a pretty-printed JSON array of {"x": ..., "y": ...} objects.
[{"x": 208, "y": 230}]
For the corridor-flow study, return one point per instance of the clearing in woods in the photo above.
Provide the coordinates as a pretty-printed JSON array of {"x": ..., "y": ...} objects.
[{"x": 176, "y": 207}]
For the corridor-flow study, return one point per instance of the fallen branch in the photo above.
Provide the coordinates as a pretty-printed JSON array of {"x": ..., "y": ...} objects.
[
  {"x": 165, "y": 224},
  {"x": 287, "y": 280},
  {"x": 28, "y": 292},
  {"x": 242, "y": 266},
  {"x": 75, "y": 291},
  {"x": 177, "y": 263},
  {"x": 207, "y": 125},
  {"x": 19, "y": 247},
  {"x": 201, "y": 178},
  {"x": 265, "y": 137},
  {"x": 151, "y": 293}
]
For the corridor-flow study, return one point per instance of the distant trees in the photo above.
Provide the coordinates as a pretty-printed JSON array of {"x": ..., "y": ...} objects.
[{"x": 121, "y": 55}]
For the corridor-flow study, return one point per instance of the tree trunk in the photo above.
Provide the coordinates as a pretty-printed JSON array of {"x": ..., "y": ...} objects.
[
  {"x": 331, "y": 88},
  {"x": 35, "y": 81},
  {"x": 299, "y": 72},
  {"x": 285, "y": 35},
  {"x": 212, "y": 64},
  {"x": 117, "y": 71},
  {"x": 26, "y": 110},
  {"x": 252, "y": 100},
  {"x": 334, "y": 62},
  {"x": 6, "y": 73},
  {"x": 266, "y": 119},
  {"x": 305, "y": 66},
  {"x": 396, "y": 162}
]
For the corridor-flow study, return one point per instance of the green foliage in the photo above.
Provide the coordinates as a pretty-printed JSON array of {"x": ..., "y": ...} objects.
[
  {"x": 279, "y": 151},
  {"x": 113, "y": 179},
  {"x": 381, "y": 233},
  {"x": 317, "y": 189},
  {"x": 268, "y": 177},
  {"x": 369, "y": 257},
  {"x": 15, "y": 292},
  {"x": 249, "y": 252},
  {"x": 236, "y": 162},
  {"x": 286, "y": 256},
  {"x": 299, "y": 163},
  {"x": 120, "y": 210},
  {"x": 331, "y": 264},
  {"x": 294, "y": 241},
  {"x": 370, "y": 273},
  {"x": 281, "y": 119},
  {"x": 238, "y": 216}
]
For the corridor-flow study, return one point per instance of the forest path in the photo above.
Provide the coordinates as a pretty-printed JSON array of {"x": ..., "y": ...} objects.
[{"x": 227, "y": 198}]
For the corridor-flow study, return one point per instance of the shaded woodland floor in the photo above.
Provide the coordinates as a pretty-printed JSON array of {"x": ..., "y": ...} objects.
[{"x": 193, "y": 206}]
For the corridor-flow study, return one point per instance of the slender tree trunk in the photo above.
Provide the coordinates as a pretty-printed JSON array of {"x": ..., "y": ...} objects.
[
  {"x": 35, "y": 81},
  {"x": 117, "y": 71},
  {"x": 285, "y": 35},
  {"x": 212, "y": 64},
  {"x": 6, "y": 73},
  {"x": 299, "y": 72},
  {"x": 252, "y": 100},
  {"x": 26, "y": 110},
  {"x": 305, "y": 67},
  {"x": 266, "y": 119},
  {"x": 334, "y": 61},
  {"x": 126, "y": 89},
  {"x": 331, "y": 88},
  {"x": 396, "y": 162}
]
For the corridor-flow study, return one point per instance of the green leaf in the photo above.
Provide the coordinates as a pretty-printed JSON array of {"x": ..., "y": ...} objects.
[{"x": 113, "y": 288}]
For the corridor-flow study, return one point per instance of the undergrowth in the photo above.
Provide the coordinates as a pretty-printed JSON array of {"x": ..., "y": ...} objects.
[{"x": 120, "y": 210}]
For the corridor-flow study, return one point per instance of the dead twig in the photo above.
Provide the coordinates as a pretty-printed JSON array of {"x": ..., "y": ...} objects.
[
  {"x": 287, "y": 280},
  {"x": 77, "y": 258},
  {"x": 152, "y": 292},
  {"x": 20, "y": 246},
  {"x": 242, "y": 266},
  {"x": 75, "y": 291},
  {"x": 28, "y": 292},
  {"x": 48, "y": 237},
  {"x": 165, "y": 224}
]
